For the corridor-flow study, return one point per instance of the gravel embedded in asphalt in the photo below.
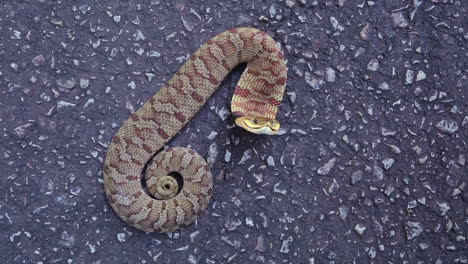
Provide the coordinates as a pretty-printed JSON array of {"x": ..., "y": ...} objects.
[{"x": 369, "y": 167}]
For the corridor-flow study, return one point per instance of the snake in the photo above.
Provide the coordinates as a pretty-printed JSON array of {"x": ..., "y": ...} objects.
[{"x": 159, "y": 189}]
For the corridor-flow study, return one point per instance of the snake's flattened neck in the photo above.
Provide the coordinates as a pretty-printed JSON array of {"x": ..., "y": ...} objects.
[{"x": 258, "y": 125}]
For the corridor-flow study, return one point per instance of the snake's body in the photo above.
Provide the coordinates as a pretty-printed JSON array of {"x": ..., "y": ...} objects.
[{"x": 164, "y": 206}]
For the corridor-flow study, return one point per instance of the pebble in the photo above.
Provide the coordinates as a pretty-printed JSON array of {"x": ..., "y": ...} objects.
[
  {"x": 413, "y": 229},
  {"x": 285, "y": 245},
  {"x": 66, "y": 83},
  {"x": 378, "y": 173},
  {"x": 187, "y": 25},
  {"x": 365, "y": 32},
  {"x": 325, "y": 169},
  {"x": 399, "y": 20},
  {"x": 260, "y": 246},
  {"x": 272, "y": 11},
  {"x": 422, "y": 200},
  {"x": 315, "y": 83},
  {"x": 232, "y": 242},
  {"x": 263, "y": 18},
  {"x": 423, "y": 246},
  {"x": 372, "y": 253},
  {"x": 360, "y": 228},
  {"x": 336, "y": 25},
  {"x": 384, "y": 86},
  {"x": 227, "y": 156},
  {"x": 465, "y": 121},
  {"x": 243, "y": 20},
  {"x": 387, "y": 132},
  {"x": 92, "y": 248},
  {"x": 232, "y": 224},
  {"x": 394, "y": 148},
  {"x": 356, "y": 177},
  {"x": 63, "y": 105},
  {"x": 420, "y": 76},
  {"x": 212, "y": 154},
  {"x": 443, "y": 208},
  {"x": 20, "y": 131},
  {"x": 38, "y": 60},
  {"x": 66, "y": 240},
  {"x": 212, "y": 135},
  {"x": 270, "y": 161},
  {"x": 343, "y": 212},
  {"x": 223, "y": 113},
  {"x": 409, "y": 77},
  {"x": 447, "y": 125},
  {"x": 290, "y": 3},
  {"x": 373, "y": 65},
  {"x": 388, "y": 162},
  {"x": 246, "y": 156},
  {"x": 84, "y": 83},
  {"x": 277, "y": 189},
  {"x": 139, "y": 35},
  {"x": 121, "y": 237},
  {"x": 330, "y": 75}
]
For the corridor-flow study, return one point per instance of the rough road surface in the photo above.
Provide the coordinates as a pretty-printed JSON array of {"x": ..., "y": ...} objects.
[{"x": 371, "y": 166}]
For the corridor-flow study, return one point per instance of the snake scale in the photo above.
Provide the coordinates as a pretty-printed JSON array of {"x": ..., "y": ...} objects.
[{"x": 166, "y": 204}]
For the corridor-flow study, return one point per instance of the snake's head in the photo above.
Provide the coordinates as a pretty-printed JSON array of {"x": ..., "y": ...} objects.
[{"x": 258, "y": 125}]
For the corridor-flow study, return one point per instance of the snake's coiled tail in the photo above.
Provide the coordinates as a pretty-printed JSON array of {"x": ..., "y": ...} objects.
[{"x": 168, "y": 204}]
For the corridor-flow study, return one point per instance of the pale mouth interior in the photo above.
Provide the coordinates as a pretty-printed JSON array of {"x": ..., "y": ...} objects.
[{"x": 258, "y": 125}]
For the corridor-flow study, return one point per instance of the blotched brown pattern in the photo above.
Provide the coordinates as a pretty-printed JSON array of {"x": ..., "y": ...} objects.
[{"x": 258, "y": 93}]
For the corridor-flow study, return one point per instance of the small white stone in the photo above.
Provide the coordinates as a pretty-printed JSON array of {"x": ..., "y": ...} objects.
[
  {"x": 387, "y": 132},
  {"x": 21, "y": 130},
  {"x": 373, "y": 65},
  {"x": 246, "y": 156},
  {"x": 384, "y": 86},
  {"x": 139, "y": 35},
  {"x": 84, "y": 83},
  {"x": 132, "y": 85},
  {"x": 448, "y": 126},
  {"x": 325, "y": 169},
  {"x": 420, "y": 76},
  {"x": 227, "y": 156},
  {"x": 330, "y": 75},
  {"x": 334, "y": 22},
  {"x": 290, "y": 3},
  {"x": 249, "y": 221},
  {"x": 443, "y": 208},
  {"x": 276, "y": 189},
  {"x": 388, "y": 162},
  {"x": 212, "y": 135},
  {"x": 90, "y": 101},
  {"x": 413, "y": 229},
  {"x": 399, "y": 20},
  {"x": 63, "y": 105},
  {"x": 409, "y": 77},
  {"x": 272, "y": 11},
  {"x": 223, "y": 113},
  {"x": 372, "y": 253},
  {"x": 285, "y": 245},
  {"x": 121, "y": 237},
  {"x": 154, "y": 53},
  {"x": 360, "y": 228},
  {"x": 212, "y": 154},
  {"x": 270, "y": 161}
]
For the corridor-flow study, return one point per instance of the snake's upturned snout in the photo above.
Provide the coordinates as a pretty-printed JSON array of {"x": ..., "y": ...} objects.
[{"x": 258, "y": 125}]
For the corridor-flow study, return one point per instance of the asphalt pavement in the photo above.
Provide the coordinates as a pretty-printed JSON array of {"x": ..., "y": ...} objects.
[{"x": 370, "y": 165}]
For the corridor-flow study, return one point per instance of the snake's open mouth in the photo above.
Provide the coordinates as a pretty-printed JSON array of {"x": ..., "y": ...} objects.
[{"x": 258, "y": 125}]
